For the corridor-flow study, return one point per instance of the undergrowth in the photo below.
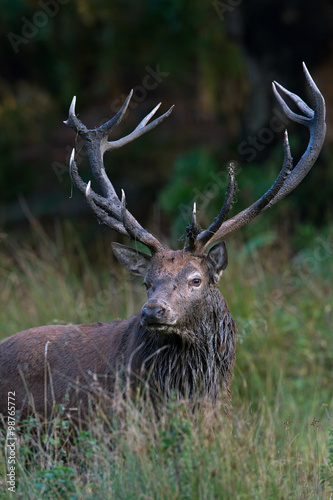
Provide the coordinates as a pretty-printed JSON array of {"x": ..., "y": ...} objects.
[{"x": 278, "y": 443}]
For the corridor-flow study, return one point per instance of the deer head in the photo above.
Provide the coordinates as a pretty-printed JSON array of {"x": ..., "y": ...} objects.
[{"x": 196, "y": 267}]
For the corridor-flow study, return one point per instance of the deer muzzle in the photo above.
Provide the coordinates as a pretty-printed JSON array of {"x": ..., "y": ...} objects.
[{"x": 157, "y": 313}]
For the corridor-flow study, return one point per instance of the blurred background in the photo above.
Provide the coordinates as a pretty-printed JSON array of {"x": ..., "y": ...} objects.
[{"x": 214, "y": 60}]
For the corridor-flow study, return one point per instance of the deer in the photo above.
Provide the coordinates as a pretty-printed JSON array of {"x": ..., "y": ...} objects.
[{"x": 182, "y": 342}]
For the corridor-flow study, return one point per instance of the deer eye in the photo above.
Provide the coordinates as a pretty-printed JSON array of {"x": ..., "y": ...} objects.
[{"x": 195, "y": 282}]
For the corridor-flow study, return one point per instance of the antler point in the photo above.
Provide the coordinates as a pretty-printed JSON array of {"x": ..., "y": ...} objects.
[
  {"x": 72, "y": 157},
  {"x": 72, "y": 106}
]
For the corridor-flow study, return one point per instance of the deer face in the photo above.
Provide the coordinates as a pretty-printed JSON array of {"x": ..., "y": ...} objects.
[{"x": 177, "y": 283}]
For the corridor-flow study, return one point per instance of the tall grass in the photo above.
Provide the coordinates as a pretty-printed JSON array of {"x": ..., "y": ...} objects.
[{"x": 276, "y": 445}]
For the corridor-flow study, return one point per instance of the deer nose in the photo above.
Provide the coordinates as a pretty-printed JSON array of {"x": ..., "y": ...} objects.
[{"x": 154, "y": 312}]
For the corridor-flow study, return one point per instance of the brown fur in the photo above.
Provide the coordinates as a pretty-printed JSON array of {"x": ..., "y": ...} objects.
[{"x": 193, "y": 356}]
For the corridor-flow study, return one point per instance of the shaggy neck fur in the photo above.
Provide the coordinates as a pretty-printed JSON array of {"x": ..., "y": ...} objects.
[{"x": 193, "y": 361}]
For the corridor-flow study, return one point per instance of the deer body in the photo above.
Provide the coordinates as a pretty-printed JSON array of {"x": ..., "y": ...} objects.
[{"x": 183, "y": 340}]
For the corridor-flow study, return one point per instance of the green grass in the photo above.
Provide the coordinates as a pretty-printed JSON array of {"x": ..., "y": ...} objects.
[{"x": 277, "y": 444}]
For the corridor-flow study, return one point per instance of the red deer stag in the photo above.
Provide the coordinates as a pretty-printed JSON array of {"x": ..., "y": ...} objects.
[{"x": 183, "y": 339}]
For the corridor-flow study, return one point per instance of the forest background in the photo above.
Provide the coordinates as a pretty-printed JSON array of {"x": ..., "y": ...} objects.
[{"x": 215, "y": 61}]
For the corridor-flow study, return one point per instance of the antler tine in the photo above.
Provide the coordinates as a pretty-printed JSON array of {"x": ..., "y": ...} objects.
[
  {"x": 141, "y": 129},
  {"x": 149, "y": 116},
  {"x": 101, "y": 214},
  {"x": 108, "y": 208},
  {"x": 73, "y": 121},
  {"x": 109, "y": 125},
  {"x": 317, "y": 127},
  {"x": 288, "y": 177},
  {"x": 99, "y": 205},
  {"x": 194, "y": 215},
  {"x": 135, "y": 231},
  {"x": 192, "y": 231},
  {"x": 244, "y": 217},
  {"x": 205, "y": 236},
  {"x": 297, "y": 100}
]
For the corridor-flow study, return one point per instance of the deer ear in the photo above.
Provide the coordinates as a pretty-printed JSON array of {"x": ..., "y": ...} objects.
[
  {"x": 134, "y": 261},
  {"x": 217, "y": 260}
]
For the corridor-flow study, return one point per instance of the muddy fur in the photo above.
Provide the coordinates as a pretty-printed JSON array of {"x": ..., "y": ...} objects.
[
  {"x": 195, "y": 364},
  {"x": 186, "y": 349}
]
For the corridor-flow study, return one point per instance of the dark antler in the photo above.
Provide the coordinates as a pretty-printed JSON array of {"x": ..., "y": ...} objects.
[
  {"x": 289, "y": 176},
  {"x": 108, "y": 208}
]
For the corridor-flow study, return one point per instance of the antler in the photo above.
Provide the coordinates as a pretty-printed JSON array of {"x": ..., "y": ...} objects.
[
  {"x": 288, "y": 178},
  {"x": 108, "y": 208}
]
